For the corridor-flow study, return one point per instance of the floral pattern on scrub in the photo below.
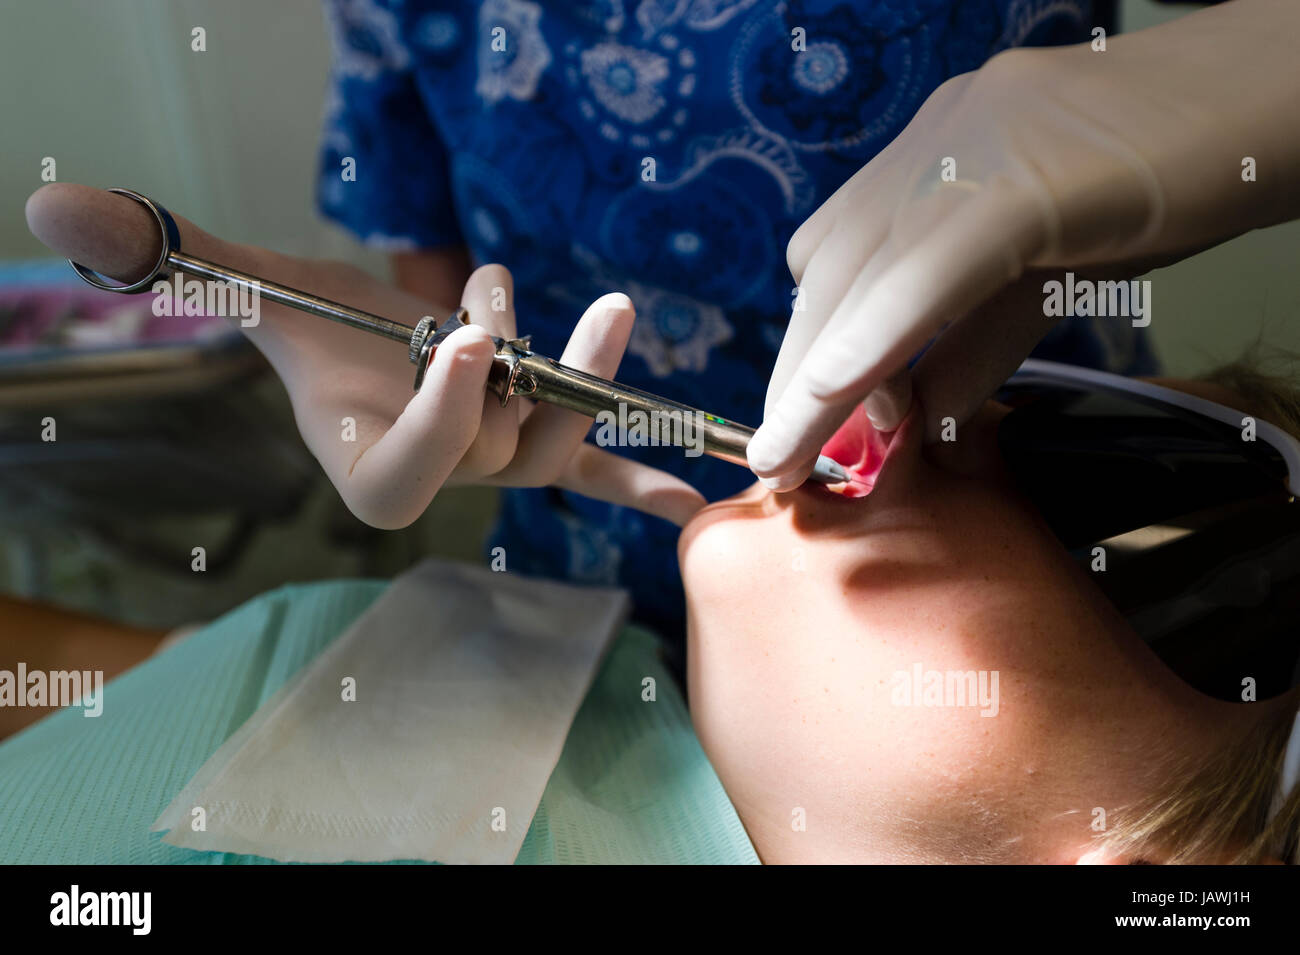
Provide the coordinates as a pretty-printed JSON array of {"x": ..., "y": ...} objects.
[{"x": 532, "y": 154}]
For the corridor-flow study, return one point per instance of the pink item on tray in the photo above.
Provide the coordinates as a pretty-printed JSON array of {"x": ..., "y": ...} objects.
[{"x": 66, "y": 317}]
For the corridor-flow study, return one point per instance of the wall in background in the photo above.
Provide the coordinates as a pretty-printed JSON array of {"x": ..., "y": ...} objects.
[
  {"x": 111, "y": 89},
  {"x": 1211, "y": 307}
]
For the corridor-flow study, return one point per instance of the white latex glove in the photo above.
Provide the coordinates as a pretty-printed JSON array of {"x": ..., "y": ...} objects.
[
  {"x": 407, "y": 445},
  {"x": 1105, "y": 163}
]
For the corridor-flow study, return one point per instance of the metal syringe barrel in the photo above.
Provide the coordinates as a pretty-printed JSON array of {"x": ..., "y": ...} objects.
[{"x": 668, "y": 422}]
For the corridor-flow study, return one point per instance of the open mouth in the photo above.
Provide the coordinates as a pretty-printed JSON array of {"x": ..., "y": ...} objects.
[{"x": 861, "y": 449}]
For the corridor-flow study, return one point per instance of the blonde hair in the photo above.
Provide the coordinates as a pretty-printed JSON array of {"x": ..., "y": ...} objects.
[
  {"x": 1268, "y": 381},
  {"x": 1217, "y": 809}
]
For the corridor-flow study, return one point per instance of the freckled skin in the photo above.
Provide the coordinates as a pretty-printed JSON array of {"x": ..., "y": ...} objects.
[{"x": 791, "y": 671}]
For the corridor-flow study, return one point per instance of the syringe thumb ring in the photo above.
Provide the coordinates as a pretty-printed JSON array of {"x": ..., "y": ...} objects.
[{"x": 170, "y": 237}]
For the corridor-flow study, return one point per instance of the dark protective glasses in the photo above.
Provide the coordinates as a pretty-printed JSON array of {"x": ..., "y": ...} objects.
[{"x": 1100, "y": 454}]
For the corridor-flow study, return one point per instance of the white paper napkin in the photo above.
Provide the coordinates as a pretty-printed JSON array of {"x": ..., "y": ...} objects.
[{"x": 466, "y": 683}]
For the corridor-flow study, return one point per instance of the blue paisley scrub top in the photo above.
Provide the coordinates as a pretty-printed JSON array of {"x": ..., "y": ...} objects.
[{"x": 533, "y": 158}]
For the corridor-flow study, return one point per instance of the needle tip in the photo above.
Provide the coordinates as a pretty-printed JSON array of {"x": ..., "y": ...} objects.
[{"x": 830, "y": 471}]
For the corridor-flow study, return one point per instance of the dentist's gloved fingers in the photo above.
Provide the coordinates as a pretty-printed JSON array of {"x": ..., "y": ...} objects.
[
  {"x": 849, "y": 263},
  {"x": 794, "y": 352},
  {"x": 975, "y": 355},
  {"x": 887, "y": 406},
  {"x": 786, "y": 480},
  {"x": 109, "y": 233},
  {"x": 118, "y": 237},
  {"x": 550, "y": 434},
  {"x": 808, "y": 238},
  {"x": 830, "y": 273},
  {"x": 946, "y": 273},
  {"x": 597, "y": 473},
  {"x": 393, "y": 480},
  {"x": 489, "y": 298},
  {"x": 848, "y": 208}
]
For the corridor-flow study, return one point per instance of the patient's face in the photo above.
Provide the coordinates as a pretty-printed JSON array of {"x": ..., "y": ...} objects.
[{"x": 815, "y": 619}]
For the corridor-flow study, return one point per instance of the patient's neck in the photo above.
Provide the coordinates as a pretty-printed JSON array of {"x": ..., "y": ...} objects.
[
  {"x": 1142, "y": 738},
  {"x": 1090, "y": 722}
]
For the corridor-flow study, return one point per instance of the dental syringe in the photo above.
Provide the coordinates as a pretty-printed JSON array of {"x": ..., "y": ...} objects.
[{"x": 516, "y": 368}]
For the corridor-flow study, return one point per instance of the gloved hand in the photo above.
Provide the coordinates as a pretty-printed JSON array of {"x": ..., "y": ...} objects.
[
  {"x": 407, "y": 445},
  {"x": 1105, "y": 163}
]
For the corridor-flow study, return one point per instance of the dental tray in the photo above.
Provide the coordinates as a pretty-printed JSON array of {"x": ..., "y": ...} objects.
[{"x": 60, "y": 339}]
